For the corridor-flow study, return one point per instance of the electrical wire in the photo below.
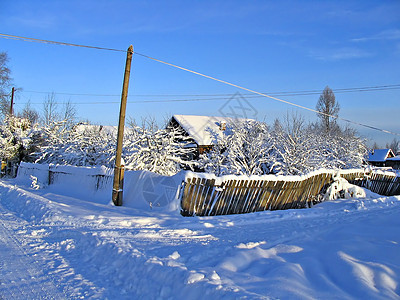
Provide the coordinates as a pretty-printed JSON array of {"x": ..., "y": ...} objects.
[
  {"x": 282, "y": 93},
  {"x": 199, "y": 74},
  {"x": 28, "y": 39},
  {"x": 213, "y": 96}
]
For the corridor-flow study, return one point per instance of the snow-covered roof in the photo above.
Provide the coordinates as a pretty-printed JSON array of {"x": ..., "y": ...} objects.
[
  {"x": 380, "y": 155},
  {"x": 397, "y": 158},
  {"x": 198, "y": 127},
  {"x": 87, "y": 127},
  {"x": 108, "y": 129}
]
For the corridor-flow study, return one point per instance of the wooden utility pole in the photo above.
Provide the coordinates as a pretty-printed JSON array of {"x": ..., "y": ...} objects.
[
  {"x": 119, "y": 169},
  {"x": 12, "y": 100}
]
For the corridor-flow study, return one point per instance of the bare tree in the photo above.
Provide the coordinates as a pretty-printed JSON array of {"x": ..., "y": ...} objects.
[
  {"x": 394, "y": 145},
  {"x": 375, "y": 146},
  {"x": 50, "y": 108},
  {"x": 328, "y": 110},
  {"x": 5, "y": 84},
  {"x": 69, "y": 114},
  {"x": 29, "y": 113}
]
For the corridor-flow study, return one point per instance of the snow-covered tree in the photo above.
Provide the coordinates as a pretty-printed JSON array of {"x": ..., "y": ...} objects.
[
  {"x": 163, "y": 151},
  {"x": 79, "y": 145},
  {"x": 244, "y": 149},
  {"x": 15, "y": 142},
  {"x": 293, "y": 144}
]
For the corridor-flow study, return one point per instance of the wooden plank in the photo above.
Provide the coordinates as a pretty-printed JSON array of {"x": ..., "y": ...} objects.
[
  {"x": 240, "y": 196},
  {"x": 265, "y": 198},
  {"x": 285, "y": 189},
  {"x": 208, "y": 203},
  {"x": 290, "y": 201},
  {"x": 200, "y": 197},
  {"x": 195, "y": 195},
  {"x": 396, "y": 190},
  {"x": 220, "y": 196},
  {"x": 185, "y": 201},
  {"x": 235, "y": 197},
  {"x": 226, "y": 202},
  {"x": 305, "y": 191},
  {"x": 300, "y": 193},
  {"x": 251, "y": 190},
  {"x": 230, "y": 201},
  {"x": 256, "y": 197},
  {"x": 324, "y": 180},
  {"x": 275, "y": 197}
]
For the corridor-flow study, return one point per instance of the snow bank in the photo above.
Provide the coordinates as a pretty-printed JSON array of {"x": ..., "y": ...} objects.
[
  {"x": 148, "y": 191},
  {"x": 341, "y": 188},
  {"x": 142, "y": 189},
  {"x": 343, "y": 249}
]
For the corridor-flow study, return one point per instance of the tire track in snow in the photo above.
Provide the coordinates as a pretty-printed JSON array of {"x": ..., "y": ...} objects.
[{"x": 20, "y": 275}]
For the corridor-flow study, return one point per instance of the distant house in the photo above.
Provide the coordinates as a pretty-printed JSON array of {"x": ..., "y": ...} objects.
[
  {"x": 380, "y": 157},
  {"x": 199, "y": 128},
  {"x": 393, "y": 162}
]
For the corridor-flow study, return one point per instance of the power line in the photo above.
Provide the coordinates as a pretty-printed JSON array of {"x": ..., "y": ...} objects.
[
  {"x": 263, "y": 94},
  {"x": 28, "y": 39},
  {"x": 196, "y": 73},
  {"x": 282, "y": 93}
]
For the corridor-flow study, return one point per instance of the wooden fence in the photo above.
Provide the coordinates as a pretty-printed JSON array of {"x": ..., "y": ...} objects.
[
  {"x": 382, "y": 184},
  {"x": 203, "y": 197},
  {"x": 231, "y": 195},
  {"x": 95, "y": 178}
]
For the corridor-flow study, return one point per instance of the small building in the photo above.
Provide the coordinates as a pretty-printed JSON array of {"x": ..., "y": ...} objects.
[
  {"x": 393, "y": 162},
  {"x": 200, "y": 129},
  {"x": 380, "y": 157}
]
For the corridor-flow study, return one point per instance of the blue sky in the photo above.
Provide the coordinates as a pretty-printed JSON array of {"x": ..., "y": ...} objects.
[{"x": 267, "y": 46}]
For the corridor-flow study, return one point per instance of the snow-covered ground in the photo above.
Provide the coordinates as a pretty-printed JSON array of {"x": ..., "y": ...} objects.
[{"x": 55, "y": 243}]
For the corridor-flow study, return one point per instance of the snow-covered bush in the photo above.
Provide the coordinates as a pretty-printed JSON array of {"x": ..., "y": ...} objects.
[
  {"x": 79, "y": 145},
  {"x": 163, "y": 151},
  {"x": 290, "y": 148},
  {"x": 15, "y": 139},
  {"x": 294, "y": 151},
  {"x": 246, "y": 149}
]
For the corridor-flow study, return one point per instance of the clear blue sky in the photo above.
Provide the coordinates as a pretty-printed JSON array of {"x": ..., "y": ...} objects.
[{"x": 268, "y": 46}]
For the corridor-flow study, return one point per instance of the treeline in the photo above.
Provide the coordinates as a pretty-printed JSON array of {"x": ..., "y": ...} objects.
[{"x": 289, "y": 146}]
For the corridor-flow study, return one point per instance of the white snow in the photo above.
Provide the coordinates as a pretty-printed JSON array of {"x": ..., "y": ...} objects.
[
  {"x": 200, "y": 127},
  {"x": 66, "y": 241},
  {"x": 397, "y": 157}
]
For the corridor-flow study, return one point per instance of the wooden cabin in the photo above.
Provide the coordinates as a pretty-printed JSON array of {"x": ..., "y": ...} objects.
[
  {"x": 380, "y": 157},
  {"x": 199, "y": 129}
]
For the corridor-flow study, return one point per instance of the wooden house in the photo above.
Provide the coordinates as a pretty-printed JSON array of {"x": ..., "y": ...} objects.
[
  {"x": 393, "y": 162},
  {"x": 200, "y": 128},
  {"x": 380, "y": 157}
]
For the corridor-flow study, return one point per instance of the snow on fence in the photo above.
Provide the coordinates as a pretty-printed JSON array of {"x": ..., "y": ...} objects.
[
  {"x": 203, "y": 194},
  {"x": 386, "y": 184},
  {"x": 93, "y": 177},
  {"x": 209, "y": 196}
]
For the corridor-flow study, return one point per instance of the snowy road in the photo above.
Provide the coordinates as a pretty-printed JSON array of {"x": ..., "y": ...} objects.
[
  {"x": 21, "y": 275},
  {"x": 55, "y": 246}
]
